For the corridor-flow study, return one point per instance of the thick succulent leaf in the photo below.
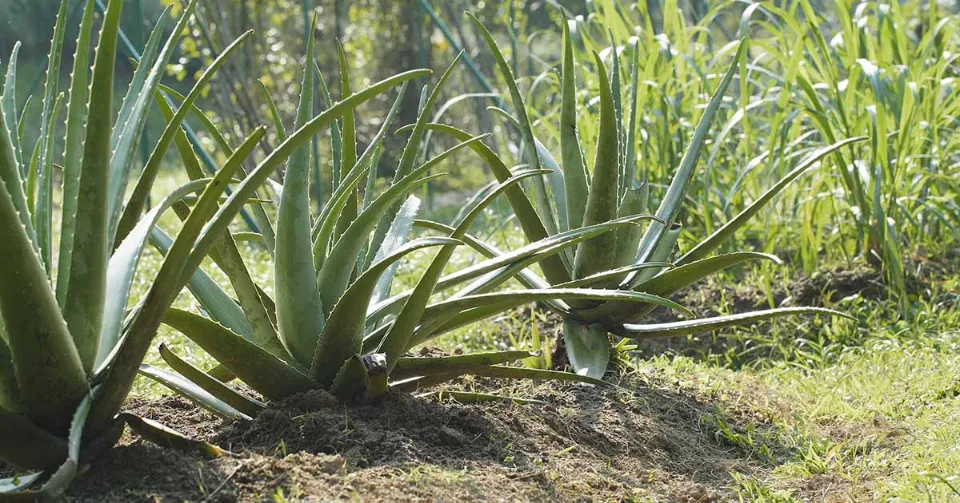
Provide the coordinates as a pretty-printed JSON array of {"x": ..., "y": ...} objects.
[
  {"x": 412, "y": 149},
  {"x": 274, "y": 113},
  {"x": 336, "y": 137},
  {"x": 83, "y": 305},
  {"x": 497, "y": 371},
  {"x": 216, "y": 302},
  {"x": 43, "y": 209},
  {"x": 177, "y": 267},
  {"x": 670, "y": 204},
  {"x": 263, "y": 372},
  {"x": 342, "y": 336},
  {"x": 123, "y": 266},
  {"x": 526, "y": 131},
  {"x": 133, "y": 112},
  {"x": 527, "y": 216},
  {"x": 396, "y": 341},
  {"x": 600, "y": 253},
  {"x": 588, "y": 348},
  {"x": 46, "y": 363},
  {"x": 605, "y": 276},
  {"x": 169, "y": 438},
  {"x": 300, "y": 315},
  {"x": 628, "y": 180},
  {"x": 723, "y": 233},
  {"x": 628, "y": 240},
  {"x": 514, "y": 298},
  {"x": 27, "y": 446},
  {"x": 8, "y": 106},
  {"x": 138, "y": 199},
  {"x": 10, "y": 175},
  {"x": 339, "y": 265},
  {"x": 571, "y": 154},
  {"x": 408, "y": 366},
  {"x": 396, "y": 237},
  {"x": 349, "y": 141},
  {"x": 351, "y": 382},
  {"x": 9, "y": 388},
  {"x": 215, "y": 387},
  {"x": 176, "y": 270},
  {"x": 73, "y": 150},
  {"x": 19, "y": 483},
  {"x": 55, "y": 487},
  {"x": 686, "y": 327},
  {"x": 193, "y": 392}
]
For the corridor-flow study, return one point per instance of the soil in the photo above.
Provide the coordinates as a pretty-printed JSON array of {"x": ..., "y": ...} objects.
[{"x": 646, "y": 440}]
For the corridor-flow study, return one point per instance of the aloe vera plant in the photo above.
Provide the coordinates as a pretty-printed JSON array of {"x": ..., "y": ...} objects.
[
  {"x": 632, "y": 258},
  {"x": 69, "y": 346},
  {"x": 337, "y": 327}
]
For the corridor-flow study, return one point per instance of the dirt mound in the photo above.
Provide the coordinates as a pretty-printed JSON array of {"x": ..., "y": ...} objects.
[{"x": 650, "y": 442}]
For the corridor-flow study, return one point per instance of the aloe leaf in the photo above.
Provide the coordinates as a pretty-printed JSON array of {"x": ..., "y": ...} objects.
[
  {"x": 339, "y": 265},
  {"x": 213, "y": 299},
  {"x": 723, "y": 233},
  {"x": 8, "y": 107},
  {"x": 195, "y": 393},
  {"x": 471, "y": 397},
  {"x": 10, "y": 169},
  {"x": 599, "y": 254},
  {"x": 342, "y": 336},
  {"x": 123, "y": 265},
  {"x": 634, "y": 201},
  {"x": 300, "y": 315},
  {"x": 663, "y": 251},
  {"x": 221, "y": 391},
  {"x": 604, "y": 277},
  {"x": 326, "y": 223},
  {"x": 513, "y": 298},
  {"x": 27, "y": 446},
  {"x": 530, "y": 223},
  {"x": 73, "y": 151},
  {"x": 588, "y": 347},
  {"x": 169, "y": 438},
  {"x": 83, "y": 305},
  {"x": 47, "y": 365},
  {"x": 349, "y": 142},
  {"x": 254, "y": 320},
  {"x": 137, "y": 201},
  {"x": 529, "y": 140},
  {"x": 177, "y": 267},
  {"x": 421, "y": 366},
  {"x": 9, "y": 389},
  {"x": 350, "y": 381},
  {"x": 336, "y": 137},
  {"x": 412, "y": 148},
  {"x": 264, "y": 372},
  {"x": 274, "y": 113},
  {"x": 176, "y": 270},
  {"x": 18, "y": 483},
  {"x": 133, "y": 116},
  {"x": 686, "y": 327},
  {"x": 574, "y": 166},
  {"x": 43, "y": 210},
  {"x": 397, "y": 339},
  {"x": 263, "y": 222},
  {"x": 395, "y": 238},
  {"x": 56, "y": 485},
  {"x": 629, "y": 177},
  {"x": 670, "y": 204}
]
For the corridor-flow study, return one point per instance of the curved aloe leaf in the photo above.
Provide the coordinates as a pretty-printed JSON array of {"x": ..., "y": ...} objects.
[
  {"x": 18, "y": 483},
  {"x": 171, "y": 439},
  {"x": 527, "y": 216},
  {"x": 8, "y": 107},
  {"x": 339, "y": 265},
  {"x": 43, "y": 210},
  {"x": 416, "y": 366},
  {"x": 123, "y": 265},
  {"x": 349, "y": 142},
  {"x": 342, "y": 336},
  {"x": 670, "y": 204},
  {"x": 83, "y": 305},
  {"x": 600, "y": 253},
  {"x": 193, "y": 392},
  {"x": 137, "y": 201},
  {"x": 687, "y": 327},
  {"x": 574, "y": 166},
  {"x": 264, "y": 372},
  {"x": 218, "y": 389},
  {"x": 10, "y": 172},
  {"x": 588, "y": 347},
  {"x": 300, "y": 315},
  {"x": 72, "y": 155},
  {"x": 396, "y": 236}
]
